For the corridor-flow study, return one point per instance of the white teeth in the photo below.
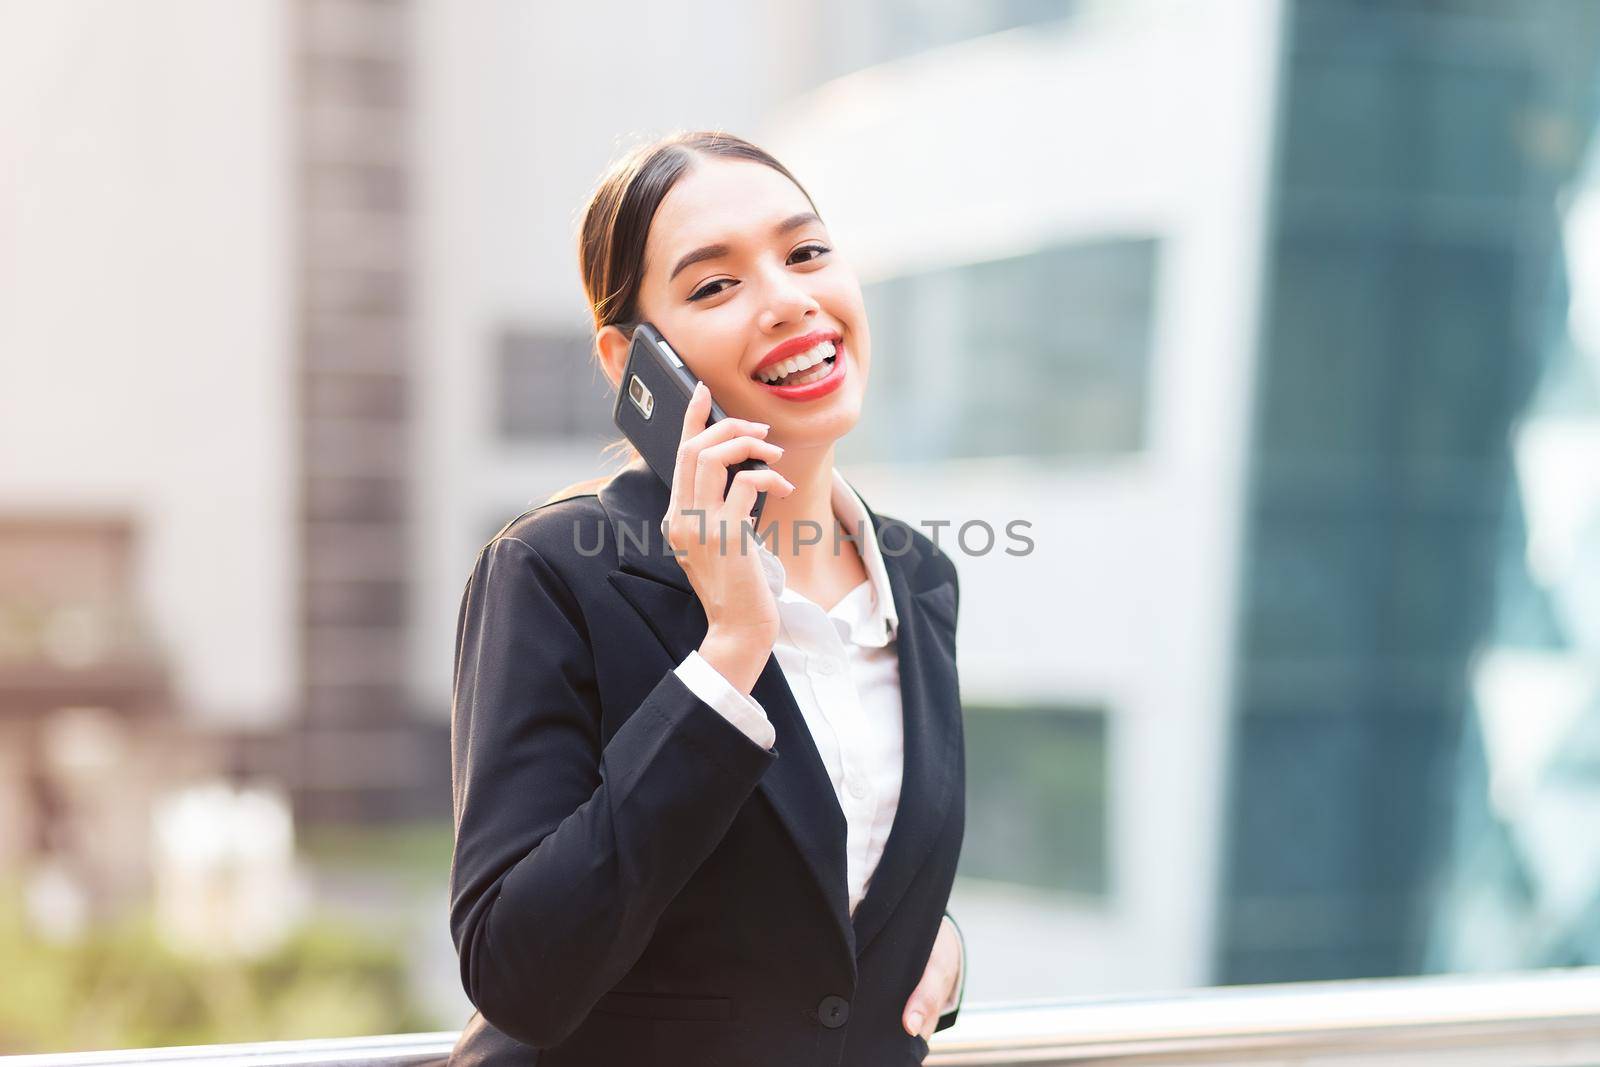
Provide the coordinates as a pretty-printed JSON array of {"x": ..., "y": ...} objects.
[
  {"x": 806, "y": 377},
  {"x": 809, "y": 358}
]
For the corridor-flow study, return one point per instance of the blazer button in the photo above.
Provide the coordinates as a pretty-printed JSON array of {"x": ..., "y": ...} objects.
[{"x": 833, "y": 1011}]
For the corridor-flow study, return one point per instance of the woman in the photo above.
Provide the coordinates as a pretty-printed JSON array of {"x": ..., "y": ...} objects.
[{"x": 709, "y": 789}]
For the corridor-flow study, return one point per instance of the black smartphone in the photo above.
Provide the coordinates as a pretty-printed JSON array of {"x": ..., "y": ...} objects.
[{"x": 650, "y": 408}]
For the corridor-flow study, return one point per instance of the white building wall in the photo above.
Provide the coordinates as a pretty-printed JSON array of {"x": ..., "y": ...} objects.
[
  {"x": 144, "y": 328},
  {"x": 1131, "y": 123}
]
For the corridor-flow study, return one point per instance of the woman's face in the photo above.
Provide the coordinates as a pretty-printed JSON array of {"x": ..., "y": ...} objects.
[{"x": 774, "y": 278}]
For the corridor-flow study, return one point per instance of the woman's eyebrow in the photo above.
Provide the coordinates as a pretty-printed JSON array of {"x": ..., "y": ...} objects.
[{"x": 716, "y": 251}]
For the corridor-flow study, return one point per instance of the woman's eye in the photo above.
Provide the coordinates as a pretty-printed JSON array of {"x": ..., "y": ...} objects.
[
  {"x": 819, "y": 249},
  {"x": 707, "y": 290}
]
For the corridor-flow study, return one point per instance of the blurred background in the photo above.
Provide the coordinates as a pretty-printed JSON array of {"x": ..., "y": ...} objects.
[{"x": 1278, "y": 320}]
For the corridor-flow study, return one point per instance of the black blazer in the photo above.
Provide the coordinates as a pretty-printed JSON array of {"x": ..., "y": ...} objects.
[{"x": 634, "y": 880}]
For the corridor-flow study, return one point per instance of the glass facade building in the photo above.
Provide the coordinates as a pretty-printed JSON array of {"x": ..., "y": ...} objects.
[{"x": 1414, "y": 329}]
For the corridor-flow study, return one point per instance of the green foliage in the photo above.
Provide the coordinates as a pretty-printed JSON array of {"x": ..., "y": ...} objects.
[
  {"x": 420, "y": 850},
  {"x": 121, "y": 987}
]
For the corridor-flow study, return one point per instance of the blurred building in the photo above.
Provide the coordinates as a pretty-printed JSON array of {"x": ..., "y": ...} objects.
[
  {"x": 1414, "y": 342},
  {"x": 1524, "y": 885},
  {"x": 206, "y": 426},
  {"x": 1246, "y": 310}
]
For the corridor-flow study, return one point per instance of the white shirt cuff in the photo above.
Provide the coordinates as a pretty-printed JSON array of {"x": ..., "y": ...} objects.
[{"x": 707, "y": 683}]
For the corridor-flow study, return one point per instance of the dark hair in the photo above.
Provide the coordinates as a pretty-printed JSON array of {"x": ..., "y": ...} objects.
[{"x": 616, "y": 224}]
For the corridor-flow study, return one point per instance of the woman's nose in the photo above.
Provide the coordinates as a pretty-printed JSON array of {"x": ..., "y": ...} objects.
[{"x": 784, "y": 300}]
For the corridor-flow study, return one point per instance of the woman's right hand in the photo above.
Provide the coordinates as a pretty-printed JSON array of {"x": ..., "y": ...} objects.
[{"x": 709, "y": 536}]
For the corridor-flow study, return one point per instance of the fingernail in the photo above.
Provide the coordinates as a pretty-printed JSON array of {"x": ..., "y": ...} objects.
[{"x": 916, "y": 1022}]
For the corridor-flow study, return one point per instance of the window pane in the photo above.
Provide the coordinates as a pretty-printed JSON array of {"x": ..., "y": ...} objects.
[
  {"x": 964, "y": 364},
  {"x": 1036, "y": 797},
  {"x": 551, "y": 389}
]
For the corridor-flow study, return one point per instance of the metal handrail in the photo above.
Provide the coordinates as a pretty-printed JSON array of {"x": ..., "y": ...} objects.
[
  {"x": 1528, "y": 1019},
  {"x": 1531, "y": 1019},
  {"x": 394, "y": 1050}
]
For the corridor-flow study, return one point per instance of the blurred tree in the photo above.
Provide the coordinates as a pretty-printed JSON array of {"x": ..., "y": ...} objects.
[{"x": 120, "y": 987}]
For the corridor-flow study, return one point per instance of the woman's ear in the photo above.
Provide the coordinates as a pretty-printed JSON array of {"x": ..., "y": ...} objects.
[{"x": 611, "y": 345}]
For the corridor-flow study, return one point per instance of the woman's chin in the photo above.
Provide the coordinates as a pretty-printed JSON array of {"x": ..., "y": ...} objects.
[{"x": 819, "y": 432}]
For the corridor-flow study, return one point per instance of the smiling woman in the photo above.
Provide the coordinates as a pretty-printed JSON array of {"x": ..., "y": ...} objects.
[
  {"x": 709, "y": 800},
  {"x": 720, "y": 250}
]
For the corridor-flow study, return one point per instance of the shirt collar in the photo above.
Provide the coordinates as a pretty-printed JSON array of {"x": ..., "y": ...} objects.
[{"x": 877, "y": 626}]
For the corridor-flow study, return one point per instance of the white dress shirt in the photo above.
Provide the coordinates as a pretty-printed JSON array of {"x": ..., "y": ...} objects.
[{"x": 843, "y": 667}]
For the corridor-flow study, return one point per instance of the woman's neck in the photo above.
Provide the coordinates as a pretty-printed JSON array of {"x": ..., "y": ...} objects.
[{"x": 804, "y": 515}]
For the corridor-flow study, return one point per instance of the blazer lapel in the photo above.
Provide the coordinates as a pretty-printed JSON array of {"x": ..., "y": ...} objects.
[
  {"x": 931, "y": 714},
  {"x": 797, "y": 784}
]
